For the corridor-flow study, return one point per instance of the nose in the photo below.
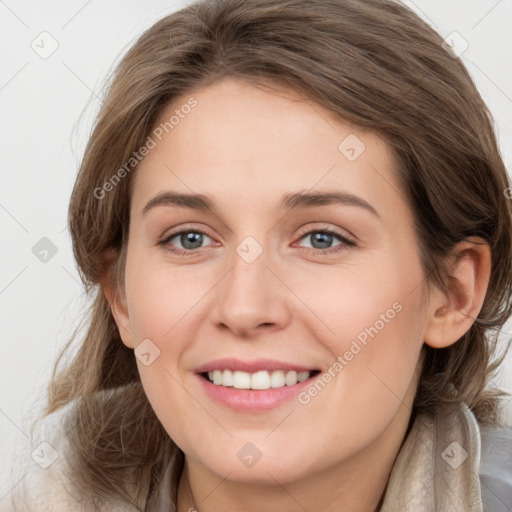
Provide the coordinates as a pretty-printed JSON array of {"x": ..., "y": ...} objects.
[{"x": 252, "y": 298}]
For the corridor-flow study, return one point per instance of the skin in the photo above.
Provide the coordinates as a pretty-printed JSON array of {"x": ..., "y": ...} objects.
[{"x": 247, "y": 146}]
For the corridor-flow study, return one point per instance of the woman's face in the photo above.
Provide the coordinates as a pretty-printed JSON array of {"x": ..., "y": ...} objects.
[{"x": 258, "y": 287}]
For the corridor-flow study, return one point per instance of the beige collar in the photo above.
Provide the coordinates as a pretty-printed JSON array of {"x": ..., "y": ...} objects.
[{"x": 437, "y": 466}]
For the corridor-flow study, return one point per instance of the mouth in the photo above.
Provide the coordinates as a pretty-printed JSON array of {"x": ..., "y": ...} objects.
[
  {"x": 253, "y": 386},
  {"x": 259, "y": 380}
]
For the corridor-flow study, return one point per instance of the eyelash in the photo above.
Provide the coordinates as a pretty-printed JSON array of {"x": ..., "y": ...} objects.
[{"x": 345, "y": 241}]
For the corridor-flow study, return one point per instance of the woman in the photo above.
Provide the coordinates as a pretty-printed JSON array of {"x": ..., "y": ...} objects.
[{"x": 257, "y": 368}]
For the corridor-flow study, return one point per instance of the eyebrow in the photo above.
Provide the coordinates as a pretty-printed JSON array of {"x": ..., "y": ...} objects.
[{"x": 289, "y": 201}]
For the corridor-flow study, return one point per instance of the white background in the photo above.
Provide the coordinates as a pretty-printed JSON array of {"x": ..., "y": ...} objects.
[{"x": 41, "y": 104}]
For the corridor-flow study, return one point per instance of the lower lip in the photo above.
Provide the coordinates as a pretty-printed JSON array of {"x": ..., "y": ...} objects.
[{"x": 252, "y": 400}]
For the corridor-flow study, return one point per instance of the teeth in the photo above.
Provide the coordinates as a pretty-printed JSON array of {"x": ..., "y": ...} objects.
[
  {"x": 241, "y": 380},
  {"x": 302, "y": 376},
  {"x": 258, "y": 380},
  {"x": 291, "y": 378},
  {"x": 227, "y": 378},
  {"x": 277, "y": 379}
]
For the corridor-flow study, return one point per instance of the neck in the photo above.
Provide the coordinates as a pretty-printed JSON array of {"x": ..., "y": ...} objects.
[{"x": 358, "y": 483}]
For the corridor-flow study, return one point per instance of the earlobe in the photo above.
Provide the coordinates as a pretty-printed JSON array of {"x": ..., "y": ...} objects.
[
  {"x": 452, "y": 315},
  {"x": 119, "y": 311}
]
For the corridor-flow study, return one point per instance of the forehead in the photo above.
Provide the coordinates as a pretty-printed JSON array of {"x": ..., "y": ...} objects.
[{"x": 245, "y": 142}]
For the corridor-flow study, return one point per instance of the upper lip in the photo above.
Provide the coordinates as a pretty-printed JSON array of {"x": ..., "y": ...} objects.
[{"x": 233, "y": 364}]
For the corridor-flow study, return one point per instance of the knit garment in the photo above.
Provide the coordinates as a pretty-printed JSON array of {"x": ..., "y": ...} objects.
[
  {"x": 437, "y": 466},
  {"x": 447, "y": 463}
]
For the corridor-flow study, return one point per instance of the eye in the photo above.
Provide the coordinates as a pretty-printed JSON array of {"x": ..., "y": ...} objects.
[
  {"x": 321, "y": 240},
  {"x": 190, "y": 241}
]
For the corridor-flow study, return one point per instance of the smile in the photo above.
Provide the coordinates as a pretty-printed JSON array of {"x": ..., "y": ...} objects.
[
  {"x": 263, "y": 379},
  {"x": 253, "y": 386}
]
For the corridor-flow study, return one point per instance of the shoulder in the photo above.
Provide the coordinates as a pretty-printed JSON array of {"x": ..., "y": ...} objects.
[
  {"x": 494, "y": 447},
  {"x": 41, "y": 467},
  {"x": 40, "y": 479},
  {"x": 496, "y": 468}
]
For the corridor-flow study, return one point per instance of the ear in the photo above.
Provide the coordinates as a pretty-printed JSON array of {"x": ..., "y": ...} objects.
[
  {"x": 116, "y": 300},
  {"x": 452, "y": 315}
]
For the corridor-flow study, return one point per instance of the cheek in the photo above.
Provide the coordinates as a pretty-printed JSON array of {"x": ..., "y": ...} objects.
[
  {"x": 162, "y": 304},
  {"x": 162, "y": 298},
  {"x": 373, "y": 364},
  {"x": 380, "y": 299},
  {"x": 372, "y": 322}
]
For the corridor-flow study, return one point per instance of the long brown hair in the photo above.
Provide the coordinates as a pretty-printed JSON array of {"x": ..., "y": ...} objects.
[{"x": 373, "y": 63}]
